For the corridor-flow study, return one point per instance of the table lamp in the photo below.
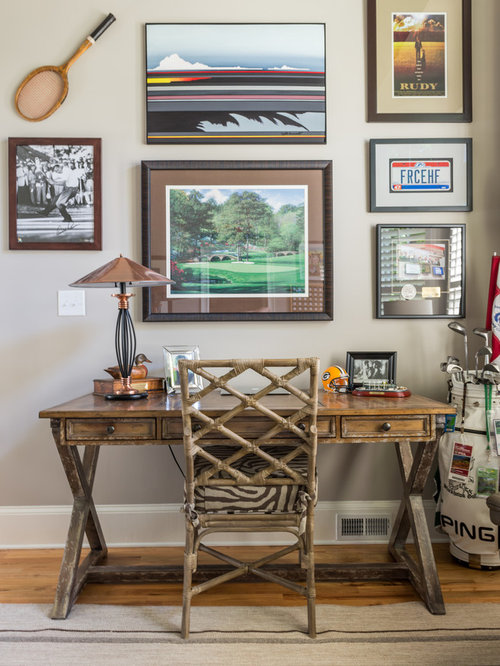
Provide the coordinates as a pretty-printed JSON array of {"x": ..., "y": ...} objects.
[{"x": 122, "y": 273}]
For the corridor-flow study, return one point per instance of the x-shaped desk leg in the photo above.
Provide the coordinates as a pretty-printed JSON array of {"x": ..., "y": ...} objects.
[
  {"x": 411, "y": 517},
  {"x": 84, "y": 520}
]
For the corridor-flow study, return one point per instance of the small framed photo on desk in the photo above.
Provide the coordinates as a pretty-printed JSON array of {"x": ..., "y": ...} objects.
[
  {"x": 171, "y": 357},
  {"x": 371, "y": 367}
]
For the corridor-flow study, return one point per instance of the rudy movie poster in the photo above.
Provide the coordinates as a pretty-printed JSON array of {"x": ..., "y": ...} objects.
[{"x": 419, "y": 55}]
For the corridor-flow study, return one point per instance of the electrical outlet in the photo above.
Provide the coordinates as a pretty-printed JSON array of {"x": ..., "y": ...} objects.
[{"x": 71, "y": 303}]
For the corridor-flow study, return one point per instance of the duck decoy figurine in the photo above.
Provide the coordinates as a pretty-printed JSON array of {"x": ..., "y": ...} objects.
[{"x": 139, "y": 370}]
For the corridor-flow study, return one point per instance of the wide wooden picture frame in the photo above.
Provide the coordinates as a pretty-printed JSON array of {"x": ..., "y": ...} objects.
[
  {"x": 420, "y": 175},
  {"x": 226, "y": 83},
  {"x": 419, "y": 61},
  {"x": 54, "y": 194},
  {"x": 420, "y": 271},
  {"x": 248, "y": 240},
  {"x": 371, "y": 367}
]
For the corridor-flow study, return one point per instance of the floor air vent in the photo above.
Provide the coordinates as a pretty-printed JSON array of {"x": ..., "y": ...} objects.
[{"x": 363, "y": 528}]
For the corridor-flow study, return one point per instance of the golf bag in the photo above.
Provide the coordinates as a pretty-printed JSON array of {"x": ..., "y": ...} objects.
[{"x": 468, "y": 470}]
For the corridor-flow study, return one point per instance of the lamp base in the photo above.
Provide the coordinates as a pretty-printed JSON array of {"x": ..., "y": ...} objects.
[
  {"x": 123, "y": 390},
  {"x": 126, "y": 396}
]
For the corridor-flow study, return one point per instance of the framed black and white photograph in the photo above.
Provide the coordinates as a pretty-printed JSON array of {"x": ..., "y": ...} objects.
[
  {"x": 371, "y": 368},
  {"x": 420, "y": 271},
  {"x": 171, "y": 356},
  {"x": 419, "y": 61},
  {"x": 54, "y": 194},
  {"x": 420, "y": 175}
]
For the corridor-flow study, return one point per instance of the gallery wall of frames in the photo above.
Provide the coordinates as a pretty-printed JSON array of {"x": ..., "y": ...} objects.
[{"x": 253, "y": 239}]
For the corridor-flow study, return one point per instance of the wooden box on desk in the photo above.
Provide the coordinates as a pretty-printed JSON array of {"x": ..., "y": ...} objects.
[{"x": 150, "y": 384}]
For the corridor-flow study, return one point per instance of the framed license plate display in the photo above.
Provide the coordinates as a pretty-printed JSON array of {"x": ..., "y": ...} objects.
[
  {"x": 241, "y": 240},
  {"x": 420, "y": 271},
  {"x": 420, "y": 175}
]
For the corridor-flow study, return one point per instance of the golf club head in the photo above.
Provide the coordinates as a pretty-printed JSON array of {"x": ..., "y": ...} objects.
[
  {"x": 485, "y": 352},
  {"x": 488, "y": 377},
  {"x": 483, "y": 333},
  {"x": 450, "y": 360},
  {"x": 492, "y": 368},
  {"x": 456, "y": 371},
  {"x": 458, "y": 328},
  {"x": 455, "y": 326}
]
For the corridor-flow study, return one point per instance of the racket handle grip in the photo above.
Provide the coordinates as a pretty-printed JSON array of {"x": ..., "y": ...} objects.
[{"x": 102, "y": 26}]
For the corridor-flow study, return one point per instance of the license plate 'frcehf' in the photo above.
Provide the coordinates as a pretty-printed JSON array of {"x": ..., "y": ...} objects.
[{"x": 421, "y": 176}]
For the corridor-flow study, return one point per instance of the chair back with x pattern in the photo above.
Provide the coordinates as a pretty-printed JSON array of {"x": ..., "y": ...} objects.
[{"x": 292, "y": 429}]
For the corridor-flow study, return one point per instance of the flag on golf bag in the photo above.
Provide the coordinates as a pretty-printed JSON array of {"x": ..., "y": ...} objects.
[{"x": 493, "y": 311}]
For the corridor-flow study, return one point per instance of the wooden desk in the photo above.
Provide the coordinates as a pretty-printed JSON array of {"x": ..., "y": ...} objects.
[{"x": 92, "y": 421}]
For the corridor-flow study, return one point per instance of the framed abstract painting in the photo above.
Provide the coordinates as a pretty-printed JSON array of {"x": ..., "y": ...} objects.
[{"x": 235, "y": 83}]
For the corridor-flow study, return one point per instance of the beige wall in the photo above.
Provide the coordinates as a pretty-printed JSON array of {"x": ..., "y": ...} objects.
[{"x": 46, "y": 359}]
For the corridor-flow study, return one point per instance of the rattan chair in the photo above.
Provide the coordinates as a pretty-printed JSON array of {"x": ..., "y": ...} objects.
[{"x": 250, "y": 478}]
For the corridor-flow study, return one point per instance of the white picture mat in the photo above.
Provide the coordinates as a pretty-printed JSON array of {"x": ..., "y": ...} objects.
[{"x": 420, "y": 151}]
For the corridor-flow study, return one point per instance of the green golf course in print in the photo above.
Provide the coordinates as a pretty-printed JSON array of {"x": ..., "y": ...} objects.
[{"x": 237, "y": 241}]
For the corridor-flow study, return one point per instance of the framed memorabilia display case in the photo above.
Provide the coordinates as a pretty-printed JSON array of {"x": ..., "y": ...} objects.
[{"x": 421, "y": 271}]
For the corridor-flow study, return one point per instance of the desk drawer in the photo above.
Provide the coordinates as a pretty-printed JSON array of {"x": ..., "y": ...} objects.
[
  {"x": 385, "y": 426},
  {"x": 249, "y": 427},
  {"x": 110, "y": 429}
]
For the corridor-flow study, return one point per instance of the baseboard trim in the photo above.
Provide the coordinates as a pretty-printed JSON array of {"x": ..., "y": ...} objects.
[{"x": 163, "y": 525}]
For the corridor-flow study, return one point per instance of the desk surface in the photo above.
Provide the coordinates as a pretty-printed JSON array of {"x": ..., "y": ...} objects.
[{"x": 159, "y": 404}]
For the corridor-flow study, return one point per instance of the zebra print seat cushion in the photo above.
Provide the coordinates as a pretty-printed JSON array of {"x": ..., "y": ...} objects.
[{"x": 235, "y": 499}]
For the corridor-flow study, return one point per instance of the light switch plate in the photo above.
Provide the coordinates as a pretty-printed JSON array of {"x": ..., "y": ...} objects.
[{"x": 71, "y": 303}]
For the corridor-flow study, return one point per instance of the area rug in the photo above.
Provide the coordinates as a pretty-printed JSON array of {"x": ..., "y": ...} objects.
[{"x": 397, "y": 634}]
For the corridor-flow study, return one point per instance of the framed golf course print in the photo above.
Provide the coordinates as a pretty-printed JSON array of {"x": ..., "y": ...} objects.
[
  {"x": 420, "y": 175},
  {"x": 241, "y": 240},
  {"x": 235, "y": 83},
  {"x": 419, "y": 61}
]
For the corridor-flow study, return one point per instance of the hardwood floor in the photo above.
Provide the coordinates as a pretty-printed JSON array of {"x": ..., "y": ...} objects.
[{"x": 30, "y": 576}]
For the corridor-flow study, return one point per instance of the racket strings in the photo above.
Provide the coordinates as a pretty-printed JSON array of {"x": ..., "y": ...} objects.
[{"x": 40, "y": 94}]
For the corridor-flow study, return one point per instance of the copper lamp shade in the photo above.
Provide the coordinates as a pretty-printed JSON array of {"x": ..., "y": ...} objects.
[{"x": 123, "y": 272}]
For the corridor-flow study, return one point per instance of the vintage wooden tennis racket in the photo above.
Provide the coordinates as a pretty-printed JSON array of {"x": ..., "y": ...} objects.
[{"x": 44, "y": 90}]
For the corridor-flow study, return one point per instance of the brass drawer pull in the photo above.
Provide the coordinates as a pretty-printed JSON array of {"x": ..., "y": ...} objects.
[
  {"x": 110, "y": 429},
  {"x": 386, "y": 426},
  {"x": 301, "y": 426}
]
